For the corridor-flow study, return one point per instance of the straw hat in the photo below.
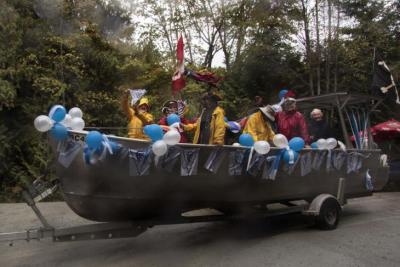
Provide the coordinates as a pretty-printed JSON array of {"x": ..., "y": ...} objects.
[{"x": 269, "y": 112}]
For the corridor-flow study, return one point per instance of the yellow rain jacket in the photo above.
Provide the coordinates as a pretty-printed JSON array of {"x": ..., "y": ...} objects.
[
  {"x": 137, "y": 120},
  {"x": 217, "y": 128},
  {"x": 259, "y": 128}
]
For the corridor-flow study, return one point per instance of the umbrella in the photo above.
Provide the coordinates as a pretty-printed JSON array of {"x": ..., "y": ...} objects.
[
  {"x": 387, "y": 130},
  {"x": 384, "y": 131}
]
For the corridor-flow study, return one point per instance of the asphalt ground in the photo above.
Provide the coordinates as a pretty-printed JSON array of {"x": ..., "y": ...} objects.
[{"x": 368, "y": 235}]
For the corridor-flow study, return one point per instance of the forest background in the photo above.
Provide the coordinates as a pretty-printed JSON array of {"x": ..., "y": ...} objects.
[{"x": 86, "y": 53}]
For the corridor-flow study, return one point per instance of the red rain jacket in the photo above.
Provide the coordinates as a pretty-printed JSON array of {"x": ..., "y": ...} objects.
[{"x": 292, "y": 124}]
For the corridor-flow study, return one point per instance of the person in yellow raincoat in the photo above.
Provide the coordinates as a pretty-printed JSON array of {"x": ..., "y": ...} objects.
[
  {"x": 138, "y": 116},
  {"x": 258, "y": 124},
  {"x": 210, "y": 126}
]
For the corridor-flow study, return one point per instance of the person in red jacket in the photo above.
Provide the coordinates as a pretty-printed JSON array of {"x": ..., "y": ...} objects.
[
  {"x": 171, "y": 107},
  {"x": 290, "y": 122}
]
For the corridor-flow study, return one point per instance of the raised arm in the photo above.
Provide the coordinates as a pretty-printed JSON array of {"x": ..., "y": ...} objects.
[{"x": 125, "y": 105}]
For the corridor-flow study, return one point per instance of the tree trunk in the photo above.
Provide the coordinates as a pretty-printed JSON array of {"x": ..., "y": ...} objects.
[
  {"x": 328, "y": 48},
  {"x": 318, "y": 48},
  {"x": 335, "y": 74},
  {"x": 308, "y": 47}
]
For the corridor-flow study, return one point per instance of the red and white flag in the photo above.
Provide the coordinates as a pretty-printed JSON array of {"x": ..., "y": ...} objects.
[{"x": 178, "y": 79}]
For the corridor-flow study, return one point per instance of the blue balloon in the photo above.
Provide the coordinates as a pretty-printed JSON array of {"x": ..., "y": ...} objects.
[
  {"x": 154, "y": 131},
  {"x": 173, "y": 118},
  {"x": 282, "y": 93},
  {"x": 234, "y": 127},
  {"x": 314, "y": 145},
  {"x": 114, "y": 146},
  {"x": 94, "y": 139},
  {"x": 296, "y": 144},
  {"x": 57, "y": 113},
  {"x": 246, "y": 140},
  {"x": 59, "y": 132},
  {"x": 288, "y": 154}
]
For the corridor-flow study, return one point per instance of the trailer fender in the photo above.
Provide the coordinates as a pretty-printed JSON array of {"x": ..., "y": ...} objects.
[{"x": 316, "y": 204}]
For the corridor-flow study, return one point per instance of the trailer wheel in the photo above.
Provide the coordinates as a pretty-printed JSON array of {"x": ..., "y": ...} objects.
[{"x": 329, "y": 214}]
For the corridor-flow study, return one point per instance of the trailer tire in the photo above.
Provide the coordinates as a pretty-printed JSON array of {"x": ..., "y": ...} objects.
[{"x": 329, "y": 214}]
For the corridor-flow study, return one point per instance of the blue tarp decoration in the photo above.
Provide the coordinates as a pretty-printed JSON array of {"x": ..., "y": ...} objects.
[
  {"x": 139, "y": 162},
  {"x": 339, "y": 158},
  {"x": 189, "y": 161},
  {"x": 168, "y": 161},
  {"x": 256, "y": 164},
  {"x": 354, "y": 162},
  {"x": 319, "y": 157},
  {"x": 306, "y": 163},
  {"x": 269, "y": 168},
  {"x": 68, "y": 150},
  {"x": 329, "y": 161},
  {"x": 215, "y": 159},
  {"x": 237, "y": 162}
]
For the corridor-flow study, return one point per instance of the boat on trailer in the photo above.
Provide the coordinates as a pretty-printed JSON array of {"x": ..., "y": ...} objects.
[
  {"x": 128, "y": 190},
  {"x": 108, "y": 191}
]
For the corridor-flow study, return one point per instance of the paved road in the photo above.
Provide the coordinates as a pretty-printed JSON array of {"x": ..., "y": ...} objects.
[{"x": 368, "y": 235}]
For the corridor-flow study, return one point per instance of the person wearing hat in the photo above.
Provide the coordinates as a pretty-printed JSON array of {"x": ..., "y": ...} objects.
[
  {"x": 172, "y": 107},
  {"x": 290, "y": 122},
  {"x": 210, "y": 126},
  {"x": 138, "y": 116},
  {"x": 259, "y": 124},
  {"x": 318, "y": 127}
]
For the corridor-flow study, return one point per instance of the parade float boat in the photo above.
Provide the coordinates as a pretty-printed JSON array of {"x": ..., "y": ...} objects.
[{"x": 133, "y": 188}]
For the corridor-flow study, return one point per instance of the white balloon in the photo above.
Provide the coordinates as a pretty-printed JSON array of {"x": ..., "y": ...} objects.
[
  {"x": 322, "y": 144},
  {"x": 77, "y": 124},
  {"x": 75, "y": 112},
  {"x": 280, "y": 141},
  {"x": 235, "y": 144},
  {"x": 341, "y": 145},
  {"x": 172, "y": 137},
  {"x": 262, "y": 147},
  {"x": 67, "y": 121},
  {"x": 331, "y": 143},
  {"x": 159, "y": 148},
  {"x": 43, "y": 123}
]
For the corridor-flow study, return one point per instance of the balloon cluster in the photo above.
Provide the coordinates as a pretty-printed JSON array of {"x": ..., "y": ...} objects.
[
  {"x": 160, "y": 140},
  {"x": 329, "y": 144},
  {"x": 59, "y": 121},
  {"x": 261, "y": 147},
  {"x": 291, "y": 148},
  {"x": 97, "y": 146},
  {"x": 290, "y": 152}
]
